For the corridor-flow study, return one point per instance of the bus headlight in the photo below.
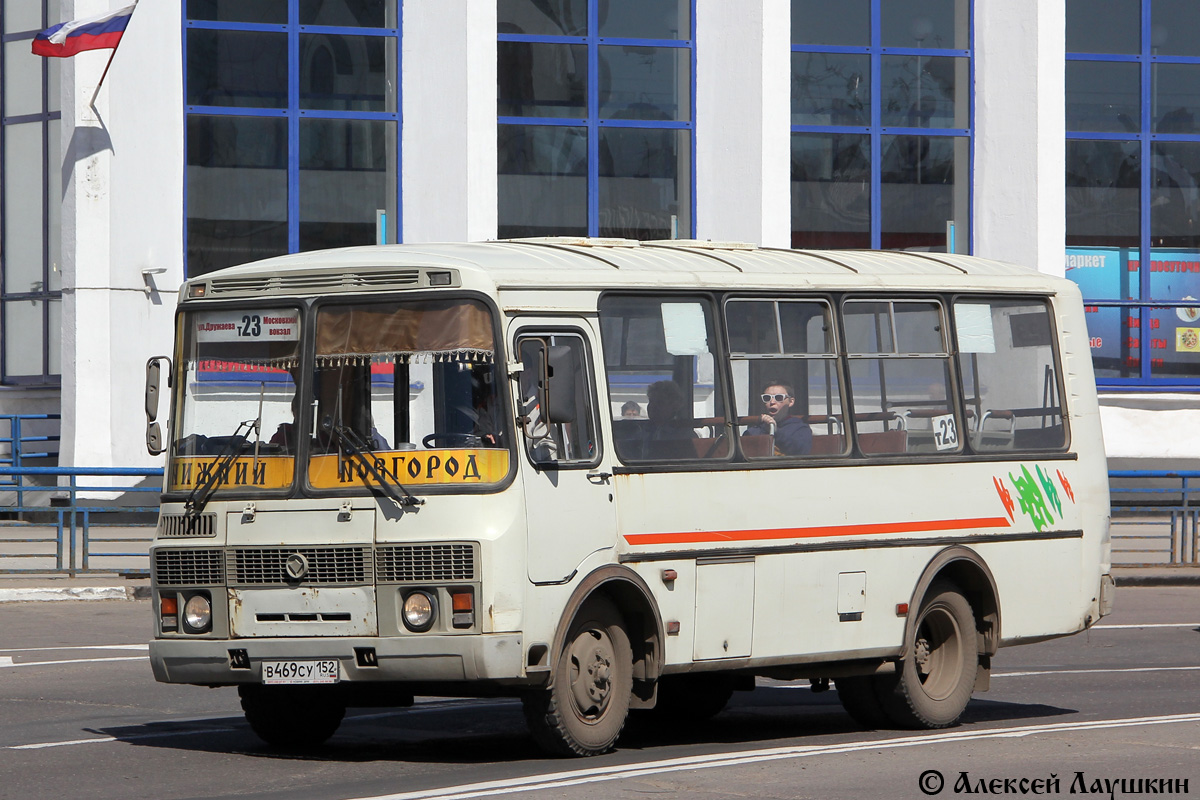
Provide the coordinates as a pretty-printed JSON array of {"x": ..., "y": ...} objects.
[
  {"x": 419, "y": 611},
  {"x": 197, "y": 614}
]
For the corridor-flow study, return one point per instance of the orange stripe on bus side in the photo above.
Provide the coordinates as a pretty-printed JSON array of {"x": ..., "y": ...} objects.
[{"x": 869, "y": 529}]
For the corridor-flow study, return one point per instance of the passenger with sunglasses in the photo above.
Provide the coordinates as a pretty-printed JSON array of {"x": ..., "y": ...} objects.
[{"x": 792, "y": 435}]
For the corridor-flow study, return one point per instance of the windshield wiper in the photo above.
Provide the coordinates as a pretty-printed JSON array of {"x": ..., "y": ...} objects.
[
  {"x": 354, "y": 444},
  {"x": 203, "y": 491}
]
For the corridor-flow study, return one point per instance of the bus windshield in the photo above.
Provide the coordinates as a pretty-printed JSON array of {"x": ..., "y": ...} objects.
[{"x": 396, "y": 393}]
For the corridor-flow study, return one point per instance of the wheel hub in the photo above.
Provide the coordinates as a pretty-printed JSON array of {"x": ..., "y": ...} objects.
[
  {"x": 921, "y": 655},
  {"x": 599, "y": 671},
  {"x": 591, "y": 674}
]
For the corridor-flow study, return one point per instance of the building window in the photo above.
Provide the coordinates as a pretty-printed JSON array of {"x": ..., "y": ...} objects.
[
  {"x": 595, "y": 116},
  {"x": 1133, "y": 186},
  {"x": 881, "y": 124},
  {"x": 293, "y": 129},
  {"x": 30, "y": 187}
]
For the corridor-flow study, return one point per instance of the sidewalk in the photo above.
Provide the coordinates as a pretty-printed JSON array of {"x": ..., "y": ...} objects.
[{"x": 44, "y": 588}]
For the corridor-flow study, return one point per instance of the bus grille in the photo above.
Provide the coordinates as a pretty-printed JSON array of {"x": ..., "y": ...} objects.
[
  {"x": 267, "y": 566},
  {"x": 176, "y": 525},
  {"x": 425, "y": 562},
  {"x": 203, "y": 567}
]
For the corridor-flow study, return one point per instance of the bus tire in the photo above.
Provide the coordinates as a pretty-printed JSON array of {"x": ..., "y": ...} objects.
[
  {"x": 860, "y": 696},
  {"x": 291, "y": 716},
  {"x": 937, "y": 676},
  {"x": 584, "y": 710}
]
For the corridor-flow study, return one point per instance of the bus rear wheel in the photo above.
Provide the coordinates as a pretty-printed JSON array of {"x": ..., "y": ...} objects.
[
  {"x": 937, "y": 676},
  {"x": 585, "y": 708},
  {"x": 291, "y": 716}
]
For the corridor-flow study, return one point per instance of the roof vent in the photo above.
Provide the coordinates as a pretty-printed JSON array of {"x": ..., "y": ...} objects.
[
  {"x": 576, "y": 241},
  {"x": 702, "y": 244}
]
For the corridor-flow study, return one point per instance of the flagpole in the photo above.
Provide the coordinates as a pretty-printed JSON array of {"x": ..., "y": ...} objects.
[
  {"x": 111, "y": 56},
  {"x": 95, "y": 94}
]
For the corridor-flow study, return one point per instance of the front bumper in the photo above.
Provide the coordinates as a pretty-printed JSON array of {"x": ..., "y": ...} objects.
[{"x": 487, "y": 657}]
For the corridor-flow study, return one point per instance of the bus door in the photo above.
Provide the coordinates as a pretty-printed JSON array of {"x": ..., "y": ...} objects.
[{"x": 568, "y": 474}]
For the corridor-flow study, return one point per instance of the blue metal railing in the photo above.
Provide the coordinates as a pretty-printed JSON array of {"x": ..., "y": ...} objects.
[
  {"x": 1163, "y": 503},
  {"x": 14, "y": 448},
  {"x": 74, "y": 531}
]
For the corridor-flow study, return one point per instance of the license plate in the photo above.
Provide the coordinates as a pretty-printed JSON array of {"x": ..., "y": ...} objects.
[{"x": 305, "y": 672}]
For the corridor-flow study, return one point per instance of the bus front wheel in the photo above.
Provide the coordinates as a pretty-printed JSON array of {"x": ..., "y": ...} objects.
[
  {"x": 937, "y": 676},
  {"x": 584, "y": 710},
  {"x": 291, "y": 716}
]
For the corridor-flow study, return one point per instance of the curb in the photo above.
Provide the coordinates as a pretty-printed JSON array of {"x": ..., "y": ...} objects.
[
  {"x": 1185, "y": 578},
  {"x": 60, "y": 593}
]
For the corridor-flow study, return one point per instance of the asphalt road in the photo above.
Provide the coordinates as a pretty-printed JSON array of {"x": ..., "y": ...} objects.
[{"x": 81, "y": 717}]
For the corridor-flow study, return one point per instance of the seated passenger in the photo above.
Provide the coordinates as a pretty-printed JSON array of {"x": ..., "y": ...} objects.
[
  {"x": 792, "y": 435},
  {"x": 669, "y": 432}
]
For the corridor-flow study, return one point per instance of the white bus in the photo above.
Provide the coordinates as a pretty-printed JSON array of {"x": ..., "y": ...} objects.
[{"x": 605, "y": 475}]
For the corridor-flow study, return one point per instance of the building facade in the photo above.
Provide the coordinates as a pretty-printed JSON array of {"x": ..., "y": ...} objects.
[{"x": 1059, "y": 134}]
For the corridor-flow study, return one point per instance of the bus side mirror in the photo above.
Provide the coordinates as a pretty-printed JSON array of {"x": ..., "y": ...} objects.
[
  {"x": 153, "y": 381},
  {"x": 560, "y": 384}
]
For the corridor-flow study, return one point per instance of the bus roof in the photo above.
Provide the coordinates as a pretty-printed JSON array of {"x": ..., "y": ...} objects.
[{"x": 566, "y": 262}]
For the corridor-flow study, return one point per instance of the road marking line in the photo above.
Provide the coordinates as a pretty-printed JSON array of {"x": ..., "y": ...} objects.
[
  {"x": 1147, "y": 625},
  {"x": 560, "y": 780},
  {"x": 142, "y": 647},
  {"x": 1090, "y": 671},
  {"x": 11, "y": 663},
  {"x": 44, "y": 745}
]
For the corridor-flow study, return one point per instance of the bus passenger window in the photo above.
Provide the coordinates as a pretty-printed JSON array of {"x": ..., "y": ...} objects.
[
  {"x": 785, "y": 378},
  {"x": 658, "y": 356},
  {"x": 1010, "y": 374},
  {"x": 900, "y": 377}
]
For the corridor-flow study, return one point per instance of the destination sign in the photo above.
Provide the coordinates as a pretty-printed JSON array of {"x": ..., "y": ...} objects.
[{"x": 267, "y": 325}]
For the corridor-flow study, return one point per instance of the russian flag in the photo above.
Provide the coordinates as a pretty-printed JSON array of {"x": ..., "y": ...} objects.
[{"x": 93, "y": 33}]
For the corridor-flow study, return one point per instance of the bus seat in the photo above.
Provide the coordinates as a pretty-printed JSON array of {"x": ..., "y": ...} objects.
[
  {"x": 830, "y": 444},
  {"x": 711, "y": 447},
  {"x": 895, "y": 441},
  {"x": 758, "y": 446}
]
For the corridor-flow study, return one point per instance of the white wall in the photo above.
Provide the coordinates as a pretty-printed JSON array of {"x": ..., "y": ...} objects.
[
  {"x": 449, "y": 183},
  {"x": 743, "y": 117},
  {"x": 1151, "y": 426},
  {"x": 1020, "y": 131},
  {"x": 122, "y": 213}
]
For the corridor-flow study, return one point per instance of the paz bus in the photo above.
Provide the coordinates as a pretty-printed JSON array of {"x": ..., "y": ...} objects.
[{"x": 609, "y": 476}]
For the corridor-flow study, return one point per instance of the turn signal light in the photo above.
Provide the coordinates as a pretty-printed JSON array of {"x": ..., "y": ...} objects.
[
  {"x": 463, "y": 604},
  {"x": 168, "y": 608}
]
